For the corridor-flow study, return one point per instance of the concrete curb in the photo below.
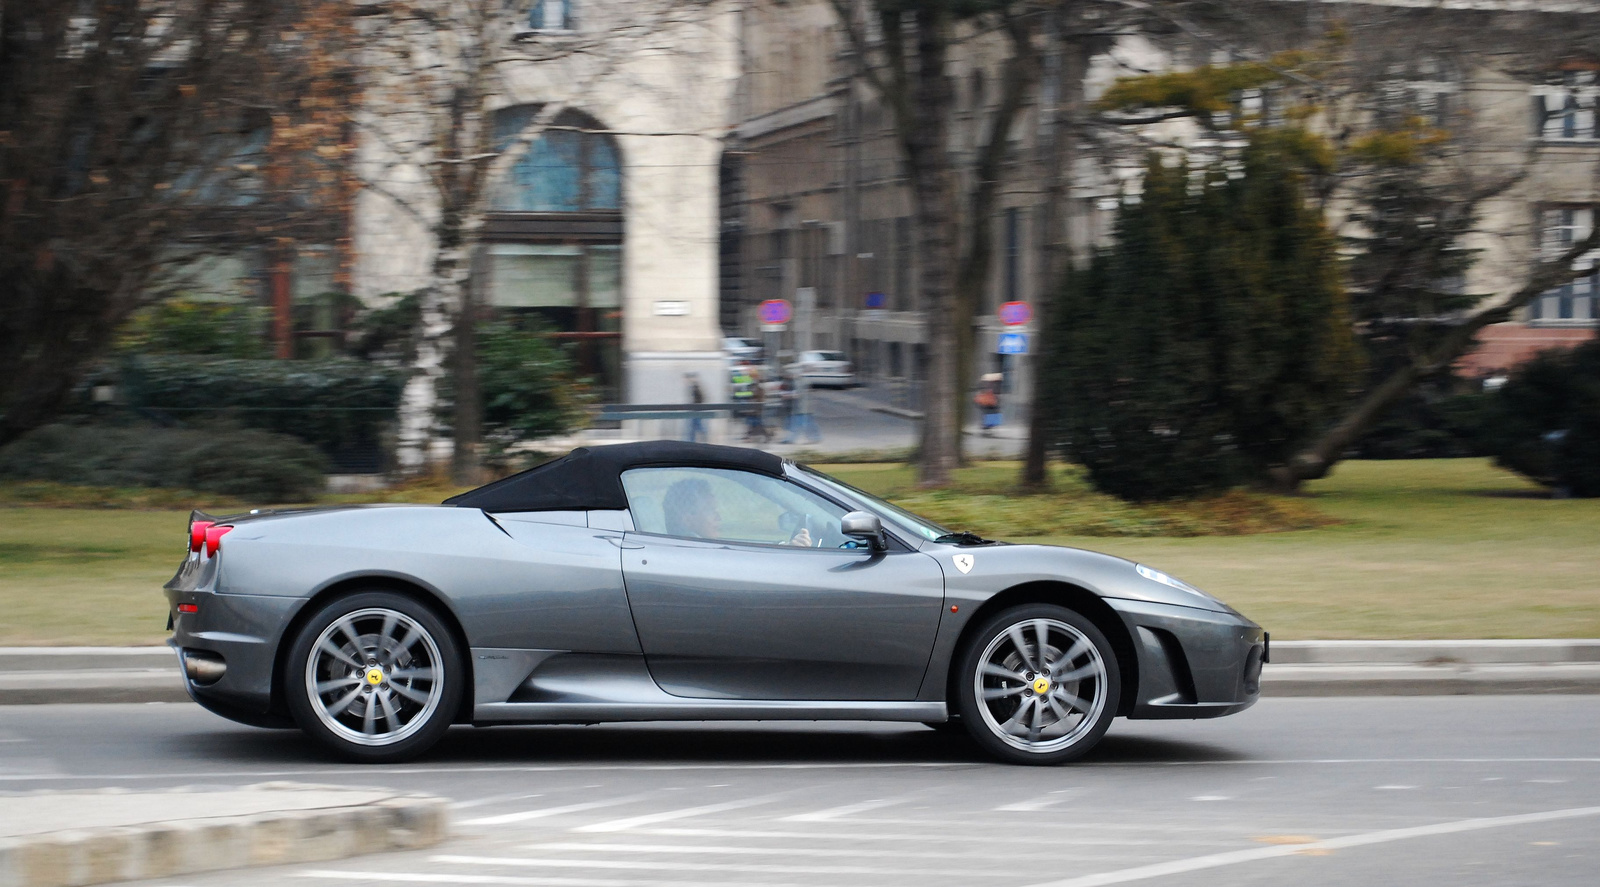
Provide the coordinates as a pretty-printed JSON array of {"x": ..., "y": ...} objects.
[
  {"x": 1428, "y": 680},
  {"x": 186, "y": 846},
  {"x": 48, "y": 675},
  {"x": 53, "y": 675}
]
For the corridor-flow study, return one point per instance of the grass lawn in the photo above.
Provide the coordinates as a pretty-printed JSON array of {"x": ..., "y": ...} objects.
[{"x": 1416, "y": 549}]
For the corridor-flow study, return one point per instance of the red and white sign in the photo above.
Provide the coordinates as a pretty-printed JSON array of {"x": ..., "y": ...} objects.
[
  {"x": 1015, "y": 313},
  {"x": 776, "y": 311}
]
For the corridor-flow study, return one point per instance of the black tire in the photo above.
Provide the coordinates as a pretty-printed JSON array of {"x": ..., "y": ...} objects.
[
  {"x": 404, "y": 695},
  {"x": 1079, "y": 682}
]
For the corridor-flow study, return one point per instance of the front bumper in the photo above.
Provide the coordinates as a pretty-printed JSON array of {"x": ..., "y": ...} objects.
[
  {"x": 243, "y": 632},
  {"x": 1193, "y": 663}
]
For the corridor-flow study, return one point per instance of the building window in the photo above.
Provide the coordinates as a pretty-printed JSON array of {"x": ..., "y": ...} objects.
[
  {"x": 1576, "y": 302},
  {"x": 567, "y": 169},
  {"x": 552, "y": 15},
  {"x": 553, "y": 240},
  {"x": 1564, "y": 109}
]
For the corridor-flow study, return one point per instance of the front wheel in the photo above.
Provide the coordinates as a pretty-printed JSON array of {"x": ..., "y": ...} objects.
[
  {"x": 1037, "y": 684},
  {"x": 375, "y": 676}
]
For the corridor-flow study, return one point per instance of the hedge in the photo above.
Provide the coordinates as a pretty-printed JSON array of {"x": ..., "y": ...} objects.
[
  {"x": 335, "y": 403},
  {"x": 240, "y": 462}
]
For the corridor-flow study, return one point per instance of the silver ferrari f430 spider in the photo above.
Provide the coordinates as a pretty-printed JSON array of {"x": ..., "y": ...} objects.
[{"x": 680, "y": 581}]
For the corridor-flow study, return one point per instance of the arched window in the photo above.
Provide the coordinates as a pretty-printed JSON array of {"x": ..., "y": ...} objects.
[
  {"x": 553, "y": 239},
  {"x": 565, "y": 169}
]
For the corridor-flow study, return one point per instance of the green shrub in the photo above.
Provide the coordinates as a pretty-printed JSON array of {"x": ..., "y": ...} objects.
[
  {"x": 244, "y": 463},
  {"x": 1428, "y": 425},
  {"x": 527, "y": 385},
  {"x": 1210, "y": 341},
  {"x": 1546, "y": 424},
  {"x": 334, "y": 403},
  {"x": 185, "y": 325}
]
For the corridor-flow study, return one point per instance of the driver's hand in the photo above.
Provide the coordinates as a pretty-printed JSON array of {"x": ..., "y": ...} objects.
[{"x": 802, "y": 538}]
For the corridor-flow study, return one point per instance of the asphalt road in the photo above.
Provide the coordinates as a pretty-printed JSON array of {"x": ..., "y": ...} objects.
[{"x": 1460, "y": 791}]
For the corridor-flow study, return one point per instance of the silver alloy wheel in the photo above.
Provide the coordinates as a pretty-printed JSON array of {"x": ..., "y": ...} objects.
[
  {"x": 374, "y": 676},
  {"x": 1040, "y": 696}
]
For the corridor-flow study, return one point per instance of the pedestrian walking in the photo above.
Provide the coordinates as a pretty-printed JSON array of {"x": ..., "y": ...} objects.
[
  {"x": 697, "y": 396},
  {"x": 755, "y": 428},
  {"x": 988, "y": 402}
]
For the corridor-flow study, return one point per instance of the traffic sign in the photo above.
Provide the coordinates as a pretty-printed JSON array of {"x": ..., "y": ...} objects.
[
  {"x": 1012, "y": 343},
  {"x": 1015, "y": 313},
  {"x": 876, "y": 300},
  {"x": 774, "y": 311}
]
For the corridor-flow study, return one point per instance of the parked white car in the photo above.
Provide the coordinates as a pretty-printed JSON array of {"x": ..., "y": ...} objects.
[
  {"x": 742, "y": 350},
  {"x": 824, "y": 368}
]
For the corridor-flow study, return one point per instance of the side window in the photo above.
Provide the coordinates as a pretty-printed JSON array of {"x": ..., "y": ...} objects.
[{"x": 731, "y": 506}]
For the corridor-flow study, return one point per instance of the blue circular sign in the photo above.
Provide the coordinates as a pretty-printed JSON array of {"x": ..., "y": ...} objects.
[{"x": 775, "y": 311}]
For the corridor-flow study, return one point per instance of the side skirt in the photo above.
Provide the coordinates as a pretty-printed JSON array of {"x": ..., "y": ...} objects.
[{"x": 705, "y": 710}]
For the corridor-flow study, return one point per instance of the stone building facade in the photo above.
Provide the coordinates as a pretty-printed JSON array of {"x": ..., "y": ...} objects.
[
  {"x": 606, "y": 226},
  {"x": 814, "y": 208}
]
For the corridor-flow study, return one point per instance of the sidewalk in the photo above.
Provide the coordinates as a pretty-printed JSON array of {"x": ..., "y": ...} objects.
[
  {"x": 55, "y": 839},
  {"x": 46, "y": 675}
]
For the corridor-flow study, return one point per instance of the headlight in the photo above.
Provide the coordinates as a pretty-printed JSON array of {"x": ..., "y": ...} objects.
[{"x": 1164, "y": 579}]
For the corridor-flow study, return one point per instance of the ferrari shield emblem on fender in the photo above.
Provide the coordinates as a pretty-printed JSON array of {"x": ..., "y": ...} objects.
[{"x": 963, "y": 562}]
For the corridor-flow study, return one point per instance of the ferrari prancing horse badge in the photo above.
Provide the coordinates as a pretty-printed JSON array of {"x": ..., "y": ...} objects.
[{"x": 963, "y": 562}]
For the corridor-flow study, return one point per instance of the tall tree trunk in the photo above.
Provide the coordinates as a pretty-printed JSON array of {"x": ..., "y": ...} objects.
[
  {"x": 924, "y": 130},
  {"x": 1317, "y": 459},
  {"x": 1071, "y": 66},
  {"x": 972, "y": 277}
]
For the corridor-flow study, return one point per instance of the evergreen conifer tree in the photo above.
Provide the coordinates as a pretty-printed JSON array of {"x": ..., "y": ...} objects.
[{"x": 1211, "y": 339}]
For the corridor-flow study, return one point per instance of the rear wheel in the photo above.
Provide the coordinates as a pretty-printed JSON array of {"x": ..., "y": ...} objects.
[
  {"x": 1037, "y": 684},
  {"x": 375, "y": 676}
]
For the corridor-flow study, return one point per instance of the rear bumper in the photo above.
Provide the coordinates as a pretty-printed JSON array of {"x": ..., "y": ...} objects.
[
  {"x": 1193, "y": 663},
  {"x": 243, "y": 631}
]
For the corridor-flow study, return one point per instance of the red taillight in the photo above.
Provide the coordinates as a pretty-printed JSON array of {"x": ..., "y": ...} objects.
[
  {"x": 214, "y": 536},
  {"x": 197, "y": 534},
  {"x": 188, "y": 608}
]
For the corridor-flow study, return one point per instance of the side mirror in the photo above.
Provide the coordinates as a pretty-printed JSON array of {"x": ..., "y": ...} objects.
[{"x": 864, "y": 525}]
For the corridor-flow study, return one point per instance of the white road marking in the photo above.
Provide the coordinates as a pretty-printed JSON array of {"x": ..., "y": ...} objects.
[
  {"x": 846, "y": 810},
  {"x": 619, "y": 825},
  {"x": 659, "y": 866},
  {"x": 492, "y": 799},
  {"x": 530, "y": 768},
  {"x": 562, "y": 768},
  {"x": 1216, "y": 860},
  {"x": 1033, "y": 805},
  {"x": 1394, "y": 788},
  {"x": 432, "y": 878},
  {"x": 1210, "y": 798},
  {"x": 542, "y": 812},
  {"x": 825, "y": 852},
  {"x": 855, "y": 834}
]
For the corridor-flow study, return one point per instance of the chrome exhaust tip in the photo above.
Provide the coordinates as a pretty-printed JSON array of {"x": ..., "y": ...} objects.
[{"x": 203, "y": 667}]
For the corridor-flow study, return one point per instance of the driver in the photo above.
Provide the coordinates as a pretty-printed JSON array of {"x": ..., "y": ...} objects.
[{"x": 691, "y": 510}]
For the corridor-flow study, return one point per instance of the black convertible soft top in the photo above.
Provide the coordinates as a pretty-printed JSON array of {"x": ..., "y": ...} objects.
[{"x": 592, "y": 478}]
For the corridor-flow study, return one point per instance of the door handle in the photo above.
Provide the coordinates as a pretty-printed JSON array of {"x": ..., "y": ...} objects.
[{"x": 622, "y": 543}]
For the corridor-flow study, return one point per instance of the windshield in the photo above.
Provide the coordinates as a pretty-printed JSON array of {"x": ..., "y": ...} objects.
[{"x": 899, "y": 516}]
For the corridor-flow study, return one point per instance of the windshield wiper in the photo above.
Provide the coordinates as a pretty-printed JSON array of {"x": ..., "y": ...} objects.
[{"x": 964, "y": 538}]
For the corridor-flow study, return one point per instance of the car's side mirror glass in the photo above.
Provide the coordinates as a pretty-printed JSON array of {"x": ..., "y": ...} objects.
[{"x": 864, "y": 525}]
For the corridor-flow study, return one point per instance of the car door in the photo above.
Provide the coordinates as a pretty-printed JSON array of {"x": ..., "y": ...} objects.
[{"x": 742, "y": 587}]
